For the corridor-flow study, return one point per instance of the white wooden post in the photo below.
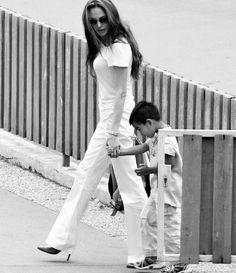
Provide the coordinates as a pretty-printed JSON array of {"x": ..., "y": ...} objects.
[
  {"x": 164, "y": 176},
  {"x": 160, "y": 197}
]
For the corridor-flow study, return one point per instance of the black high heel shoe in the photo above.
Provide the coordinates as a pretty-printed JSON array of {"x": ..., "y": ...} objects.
[{"x": 51, "y": 250}]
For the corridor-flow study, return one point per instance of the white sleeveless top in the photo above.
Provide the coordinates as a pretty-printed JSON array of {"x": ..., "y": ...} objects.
[{"x": 118, "y": 54}]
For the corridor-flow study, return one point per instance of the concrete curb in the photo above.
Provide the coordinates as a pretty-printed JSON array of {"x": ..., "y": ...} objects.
[{"x": 45, "y": 162}]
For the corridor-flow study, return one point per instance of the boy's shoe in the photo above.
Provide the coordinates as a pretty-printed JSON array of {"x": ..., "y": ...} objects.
[
  {"x": 174, "y": 268},
  {"x": 148, "y": 263}
]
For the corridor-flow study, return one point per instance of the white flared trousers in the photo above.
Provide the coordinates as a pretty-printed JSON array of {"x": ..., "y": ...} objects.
[{"x": 64, "y": 233}]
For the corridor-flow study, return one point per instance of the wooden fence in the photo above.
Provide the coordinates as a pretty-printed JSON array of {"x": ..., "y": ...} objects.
[
  {"x": 48, "y": 96},
  {"x": 208, "y": 226}
]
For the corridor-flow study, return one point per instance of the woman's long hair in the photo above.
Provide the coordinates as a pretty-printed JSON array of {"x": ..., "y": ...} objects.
[{"x": 117, "y": 31}]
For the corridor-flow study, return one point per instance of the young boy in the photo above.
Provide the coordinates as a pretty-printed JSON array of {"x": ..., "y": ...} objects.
[{"x": 145, "y": 118}]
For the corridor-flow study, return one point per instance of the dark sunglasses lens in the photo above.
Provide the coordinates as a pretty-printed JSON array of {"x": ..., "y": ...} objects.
[
  {"x": 93, "y": 22},
  {"x": 102, "y": 20}
]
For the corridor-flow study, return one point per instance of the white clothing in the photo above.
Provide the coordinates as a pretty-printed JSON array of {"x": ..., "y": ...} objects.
[
  {"x": 64, "y": 233},
  {"x": 172, "y": 220},
  {"x": 172, "y": 193},
  {"x": 172, "y": 202},
  {"x": 119, "y": 54}
]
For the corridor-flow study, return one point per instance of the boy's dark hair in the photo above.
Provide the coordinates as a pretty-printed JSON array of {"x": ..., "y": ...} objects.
[{"x": 142, "y": 111}]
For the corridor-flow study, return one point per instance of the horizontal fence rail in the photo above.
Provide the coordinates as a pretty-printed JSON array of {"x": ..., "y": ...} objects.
[
  {"x": 208, "y": 226},
  {"x": 48, "y": 95}
]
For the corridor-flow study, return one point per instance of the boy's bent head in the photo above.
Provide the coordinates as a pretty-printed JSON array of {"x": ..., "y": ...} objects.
[{"x": 142, "y": 111}]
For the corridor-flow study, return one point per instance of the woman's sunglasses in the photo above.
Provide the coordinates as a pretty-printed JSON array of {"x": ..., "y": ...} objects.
[{"x": 102, "y": 20}]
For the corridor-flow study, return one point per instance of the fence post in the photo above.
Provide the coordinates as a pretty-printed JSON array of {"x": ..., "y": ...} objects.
[
  {"x": 190, "y": 221},
  {"x": 7, "y": 71},
  {"x": 160, "y": 197},
  {"x": 2, "y": 21},
  {"x": 29, "y": 79},
  {"x": 22, "y": 77},
  {"x": 222, "y": 199},
  {"x": 37, "y": 76},
  {"x": 14, "y": 81},
  {"x": 233, "y": 114},
  {"x": 206, "y": 216}
]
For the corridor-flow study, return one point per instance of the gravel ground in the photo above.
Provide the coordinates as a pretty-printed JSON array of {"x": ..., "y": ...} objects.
[{"x": 51, "y": 195}]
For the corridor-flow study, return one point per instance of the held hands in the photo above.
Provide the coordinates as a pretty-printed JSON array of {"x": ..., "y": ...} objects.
[
  {"x": 113, "y": 147},
  {"x": 113, "y": 152}
]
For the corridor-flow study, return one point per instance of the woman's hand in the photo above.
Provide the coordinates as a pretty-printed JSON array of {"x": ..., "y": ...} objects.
[
  {"x": 113, "y": 146},
  {"x": 113, "y": 152}
]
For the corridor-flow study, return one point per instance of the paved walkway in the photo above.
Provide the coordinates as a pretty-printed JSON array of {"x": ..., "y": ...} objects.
[{"x": 23, "y": 226}]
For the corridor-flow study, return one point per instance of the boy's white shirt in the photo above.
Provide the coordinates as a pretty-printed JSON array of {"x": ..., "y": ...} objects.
[{"x": 173, "y": 192}]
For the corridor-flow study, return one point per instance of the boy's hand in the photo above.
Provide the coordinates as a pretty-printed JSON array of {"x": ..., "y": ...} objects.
[
  {"x": 142, "y": 170},
  {"x": 113, "y": 145},
  {"x": 113, "y": 152}
]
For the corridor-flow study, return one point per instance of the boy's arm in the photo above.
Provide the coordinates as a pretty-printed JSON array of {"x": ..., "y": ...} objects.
[
  {"x": 137, "y": 149},
  {"x": 144, "y": 170}
]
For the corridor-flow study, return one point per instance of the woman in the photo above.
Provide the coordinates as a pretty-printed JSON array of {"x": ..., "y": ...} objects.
[{"x": 114, "y": 58}]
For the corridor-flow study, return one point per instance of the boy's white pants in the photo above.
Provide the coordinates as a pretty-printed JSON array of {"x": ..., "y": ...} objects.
[
  {"x": 64, "y": 233},
  {"x": 172, "y": 219}
]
